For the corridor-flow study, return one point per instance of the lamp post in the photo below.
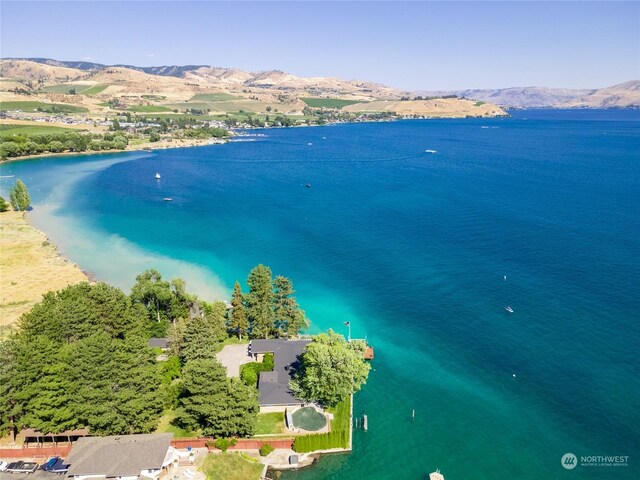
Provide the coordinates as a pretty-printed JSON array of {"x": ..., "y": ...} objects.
[{"x": 348, "y": 324}]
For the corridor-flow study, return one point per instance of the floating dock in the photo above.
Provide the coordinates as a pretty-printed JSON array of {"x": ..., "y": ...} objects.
[{"x": 368, "y": 353}]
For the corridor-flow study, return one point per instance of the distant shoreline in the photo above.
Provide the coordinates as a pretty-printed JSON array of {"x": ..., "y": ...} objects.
[{"x": 145, "y": 147}]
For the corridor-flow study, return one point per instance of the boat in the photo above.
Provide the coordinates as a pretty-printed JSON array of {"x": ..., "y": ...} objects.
[
  {"x": 158, "y": 177},
  {"x": 508, "y": 309},
  {"x": 167, "y": 199},
  {"x": 308, "y": 185},
  {"x": 430, "y": 151}
]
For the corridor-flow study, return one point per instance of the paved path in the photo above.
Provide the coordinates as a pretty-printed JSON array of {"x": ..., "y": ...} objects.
[{"x": 232, "y": 356}]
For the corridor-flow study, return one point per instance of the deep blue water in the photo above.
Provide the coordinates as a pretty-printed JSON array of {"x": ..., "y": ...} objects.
[{"x": 411, "y": 248}]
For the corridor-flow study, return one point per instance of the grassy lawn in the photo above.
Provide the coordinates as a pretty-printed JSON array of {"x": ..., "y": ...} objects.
[
  {"x": 270, "y": 423},
  {"x": 211, "y": 97},
  {"x": 46, "y": 107},
  {"x": 341, "y": 413},
  {"x": 165, "y": 426},
  {"x": 96, "y": 89},
  {"x": 231, "y": 466},
  {"x": 338, "y": 437},
  {"x": 64, "y": 88},
  {"x": 15, "y": 129},
  {"x": 328, "y": 102},
  {"x": 148, "y": 108}
]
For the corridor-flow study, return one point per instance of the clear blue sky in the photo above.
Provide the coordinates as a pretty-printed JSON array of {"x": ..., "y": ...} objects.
[{"x": 409, "y": 45}]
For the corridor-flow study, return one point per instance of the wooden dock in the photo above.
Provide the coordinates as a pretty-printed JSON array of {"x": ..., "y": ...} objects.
[{"x": 368, "y": 353}]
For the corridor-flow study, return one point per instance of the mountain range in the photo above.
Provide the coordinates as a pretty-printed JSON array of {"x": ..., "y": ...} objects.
[{"x": 180, "y": 82}]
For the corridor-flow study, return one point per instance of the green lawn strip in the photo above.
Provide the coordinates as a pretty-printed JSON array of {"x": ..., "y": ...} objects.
[
  {"x": 211, "y": 97},
  {"x": 46, "y": 107},
  {"x": 8, "y": 129},
  {"x": 148, "y": 108},
  {"x": 231, "y": 466},
  {"x": 65, "y": 87},
  {"x": 270, "y": 423},
  {"x": 338, "y": 437},
  {"x": 165, "y": 426},
  {"x": 96, "y": 89},
  {"x": 328, "y": 102}
]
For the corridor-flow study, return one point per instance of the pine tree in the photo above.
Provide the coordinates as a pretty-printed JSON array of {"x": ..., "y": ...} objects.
[
  {"x": 238, "y": 321},
  {"x": 4, "y": 206},
  {"x": 289, "y": 318},
  {"x": 19, "y": 196},
  {"x": 215, "y": 404},
  {"x": 260, "y": 301},
  {"x": 202, "y": 335}
]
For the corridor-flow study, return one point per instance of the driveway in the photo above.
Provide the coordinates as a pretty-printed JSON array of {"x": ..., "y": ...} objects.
[{"x": 232, "y": 356}]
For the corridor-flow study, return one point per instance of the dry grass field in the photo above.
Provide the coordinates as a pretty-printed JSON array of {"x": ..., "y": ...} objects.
[{"x": 29, "y": 267}]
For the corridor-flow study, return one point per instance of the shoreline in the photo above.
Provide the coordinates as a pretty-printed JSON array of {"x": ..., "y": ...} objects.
[
  {"x": 189, "y": 143},
  {"x": 32, "y": 265},
  {"x": 143, "y": 147}
]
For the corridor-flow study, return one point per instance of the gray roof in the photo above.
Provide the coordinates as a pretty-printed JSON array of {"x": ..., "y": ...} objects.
[
  {"x": 159, "y": 342},
  {"x": 118, "y": 455},
  {"x": 273, "y": 386}
]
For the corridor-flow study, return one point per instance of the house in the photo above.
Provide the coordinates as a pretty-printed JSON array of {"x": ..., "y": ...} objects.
[
  {"x": 274, "y": 394},
  {"x": 122, "y": 457}
]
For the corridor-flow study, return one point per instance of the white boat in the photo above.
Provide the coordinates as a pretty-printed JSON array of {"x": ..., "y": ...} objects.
[
  {"x": 508, "y": 309},
  {"x": 158, "y": 176},
  {"x": 430, "y": 151},
  {"x": 168, "y": 199}
]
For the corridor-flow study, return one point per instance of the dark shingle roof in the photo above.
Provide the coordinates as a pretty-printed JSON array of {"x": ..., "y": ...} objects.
[
  {"x": 273, "y": 386},
  {"x": 118, "y": 456}
]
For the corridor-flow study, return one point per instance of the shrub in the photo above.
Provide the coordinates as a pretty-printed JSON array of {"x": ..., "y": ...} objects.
[
  {"x": 224, "y": 443},
  {"x": 249, "y": 372},
  {"x": 266, "y": 449}
]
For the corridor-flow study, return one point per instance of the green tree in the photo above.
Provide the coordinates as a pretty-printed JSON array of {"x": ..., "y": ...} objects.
[
  {"x": 19, "y": 196},
  {"x": 81, "y": 310},
  {"x": 203, "y": 334},
  {"x": 215, "y": 404},
  {"x": 330, "y": 369},
  {"x": 154, "y": 294},
  {"x": 4, "y": 206},
  {"x": 12, "y": 382},
  {"x": 289, "y": 318},
  {"x": 259, "y": 302},
  {"x": 238, "y": 321},
  {"x": 56, "y": 146},
  {"x": 115, "y": 385}
]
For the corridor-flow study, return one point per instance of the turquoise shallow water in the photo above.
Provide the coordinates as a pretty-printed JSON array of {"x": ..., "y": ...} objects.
[{"x": 412, "y": 249}]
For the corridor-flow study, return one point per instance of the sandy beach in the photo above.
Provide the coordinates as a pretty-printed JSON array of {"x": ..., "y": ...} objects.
[{"x": 29, "y": 267}]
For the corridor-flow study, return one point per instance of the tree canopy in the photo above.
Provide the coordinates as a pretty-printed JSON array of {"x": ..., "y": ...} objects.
[
  {"x": 259, "y": 302},
  {"x": 330, "y": 369},
  {"x": 216, "y": 405},
  {"x": 80, "y": 359},
  {"x": 19, "y": 197},
  {"x": 238, "y": 321},
  {"x": 271, "y": 308}
]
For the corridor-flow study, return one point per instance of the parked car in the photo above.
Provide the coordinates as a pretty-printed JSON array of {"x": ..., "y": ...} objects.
[
  {"x": 3, "y": 465},
  {"x": 22, "y": 467}
]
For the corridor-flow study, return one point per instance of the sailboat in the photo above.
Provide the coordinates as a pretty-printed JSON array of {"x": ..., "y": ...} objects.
[{"x": 158, "y": 176}]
